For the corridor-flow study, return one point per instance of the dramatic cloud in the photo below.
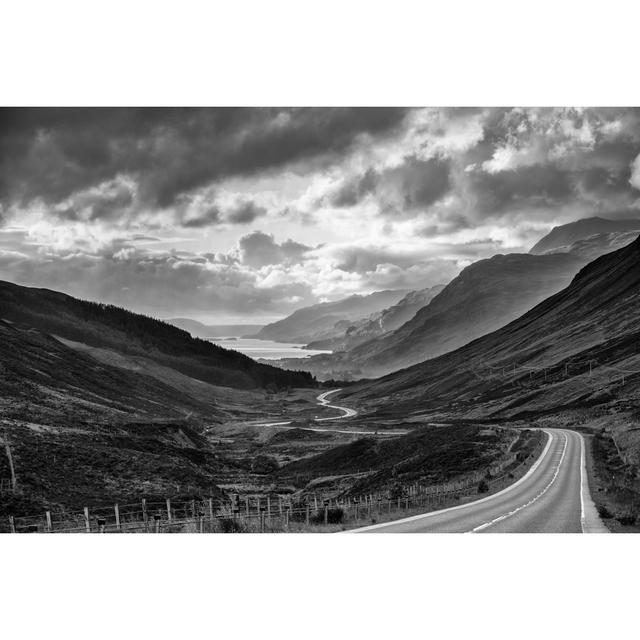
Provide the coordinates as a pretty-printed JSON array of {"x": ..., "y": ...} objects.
[
  {"x": 259, "y": 249},
  {"x": 232, "y": 212}
]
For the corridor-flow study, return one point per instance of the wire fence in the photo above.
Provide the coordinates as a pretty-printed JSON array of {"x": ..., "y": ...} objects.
[
  {"x": 563, "y": 369},
  {"x": 272, "y": 513}
]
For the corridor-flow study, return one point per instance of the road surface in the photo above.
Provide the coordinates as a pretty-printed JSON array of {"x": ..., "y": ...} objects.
[
  {"x": 553, "y": 497},
  {"x": 346, "y": 413}
]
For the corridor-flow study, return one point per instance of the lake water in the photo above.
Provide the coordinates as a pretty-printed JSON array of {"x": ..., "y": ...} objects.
[{"x": 265, "y": 348}]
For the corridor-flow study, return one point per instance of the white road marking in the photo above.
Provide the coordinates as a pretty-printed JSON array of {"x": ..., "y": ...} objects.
[
  {"x": 582, "y": 467},
  {"x": 528, "y": 504},
  {"x": 424, "y": 516},
  {"x": 590, "y": 520}
]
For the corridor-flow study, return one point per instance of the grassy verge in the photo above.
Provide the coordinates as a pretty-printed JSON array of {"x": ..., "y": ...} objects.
[{"x": 614, "y": 486}]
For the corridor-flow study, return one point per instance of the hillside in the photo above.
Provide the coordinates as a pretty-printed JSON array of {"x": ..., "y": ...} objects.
[
  {"x": 560, "y": 238},
  {"x": 483, "y": 297},
  {"x": 540, "y": 361},
  {"x": 106, "y": 326},
  {"x": 389, "y": 319},
  {"x": 201, "y": 330},
  {"x": 318, "y": 322}
]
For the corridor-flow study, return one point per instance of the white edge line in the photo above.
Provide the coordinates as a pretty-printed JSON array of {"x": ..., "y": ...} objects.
[
  {"x": 504, "y": 516},
  {"x": 582, "y": 468},
  {"x": 587, "y": 505},
  {"x": 421, "y": 516}
]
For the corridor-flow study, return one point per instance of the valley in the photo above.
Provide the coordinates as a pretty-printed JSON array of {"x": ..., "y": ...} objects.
[{"x": 100, "y": 405}]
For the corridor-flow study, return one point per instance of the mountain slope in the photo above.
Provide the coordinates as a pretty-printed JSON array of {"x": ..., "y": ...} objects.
[
  {"x": 201, "y": 330},
  {"x": 483, "y": 297},
  {"x": 100, "y": 325},
  {"x": 562, "y": 237},
  {"x": 318, "y": 321},
  {"x": 539, "y": 361},
  {"x": 387, "y": 320}
]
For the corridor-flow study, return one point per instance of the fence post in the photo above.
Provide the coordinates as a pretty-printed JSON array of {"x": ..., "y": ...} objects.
[
  {"x": 287, "y": 511},
  {"x": 269, "y": 508},
  {"x": 261, "y": 509},
  {"x": 116, "y": 509},
  {"x": 169, "y": 517},
  {"x": 210, "y": 508},
  {"x": 315, "y": 500},
  {"x": 87, "y": 522},
  {"x": 49, "y": 527},
  {"x": 306, "y": 517},
  {"x": 326, "y": 512},
  {"x": 157, "y": 521},
  {"x": 145, "y": 515},
  {"x": 12, "y": 524},
  {"x": 246, "y": 505},
  {"x": 356, "y": 502}
]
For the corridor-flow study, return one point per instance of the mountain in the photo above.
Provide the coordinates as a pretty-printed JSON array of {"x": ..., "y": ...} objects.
[
  {"x": 318, "y": 322},
  {"x": 483, "y": 297},
  {"x": 201, "y": 330},
  {"x": 561, "y": 239},
  {"x": 571, "y": 350},
  {"x": 379, "y": 323},
  {"x": 109, "y": 327}
]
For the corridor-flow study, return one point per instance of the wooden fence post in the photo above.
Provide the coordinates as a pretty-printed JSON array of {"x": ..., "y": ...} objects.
[
  {"x": 49, "y": 527},
  {"x": 116, "y": 509},
  {"x": 261, "y": 510},
  {"x": 356, "y": 502},
  {"x": 269, "y": 508},
  {"x": 246, "y": 505},
  {"x": 287, "y": 511},
  {"x": 145, "y": 517},
  {"x": 210, "y": 508},
  {"x": 306, "y": 517},
  {"x": 326, "y": 512},
  {"x": 157, "y": 518},
  {"x": 169, "y": 517},
  {"x": 12, "y": 524},
  {"x": 87, "y": 522}
]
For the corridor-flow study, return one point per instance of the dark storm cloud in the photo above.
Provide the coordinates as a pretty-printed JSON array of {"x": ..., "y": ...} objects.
[
  {"x": 259, "y": 249},
  {"x": 524, "y": 187},
  {"x": 52, "y": 153},
  {"x": 415, "y": 184}
]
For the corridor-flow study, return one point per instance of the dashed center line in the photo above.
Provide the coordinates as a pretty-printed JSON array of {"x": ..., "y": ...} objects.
[{"x": 534, "y": 499}]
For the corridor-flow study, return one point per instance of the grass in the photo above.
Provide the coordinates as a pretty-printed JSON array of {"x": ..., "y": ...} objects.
[{"x": 614, "y": 490}]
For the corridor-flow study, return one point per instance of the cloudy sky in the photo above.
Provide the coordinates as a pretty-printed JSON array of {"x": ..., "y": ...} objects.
[{"x": 230, "y": 215}]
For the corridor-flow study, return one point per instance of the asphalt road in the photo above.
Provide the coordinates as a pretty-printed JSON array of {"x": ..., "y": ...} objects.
[{"x": 553, "y": 497}]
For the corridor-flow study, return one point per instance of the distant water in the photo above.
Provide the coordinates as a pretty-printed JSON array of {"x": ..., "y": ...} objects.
[{"x": 265, "y": 348}]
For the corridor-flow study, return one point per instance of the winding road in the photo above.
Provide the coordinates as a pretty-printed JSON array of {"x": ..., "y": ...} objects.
[
  {"x": 346, "y": 413},
  {"x": 553, "y": 497}
]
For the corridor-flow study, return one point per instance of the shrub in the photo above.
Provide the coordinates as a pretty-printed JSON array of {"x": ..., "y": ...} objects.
[
  {"x": 334, "y": 516},
  {"x": 230, "y": 525},
  {"x": 483, "y": 487},
  {"x": 603, "y": 512},
  {"x": 626, "y": 517},
  {"x": 264, "y": 464}
]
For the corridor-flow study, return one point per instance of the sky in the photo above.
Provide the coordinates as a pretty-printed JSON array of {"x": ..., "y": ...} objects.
[{"x": 246, "y": 214}]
